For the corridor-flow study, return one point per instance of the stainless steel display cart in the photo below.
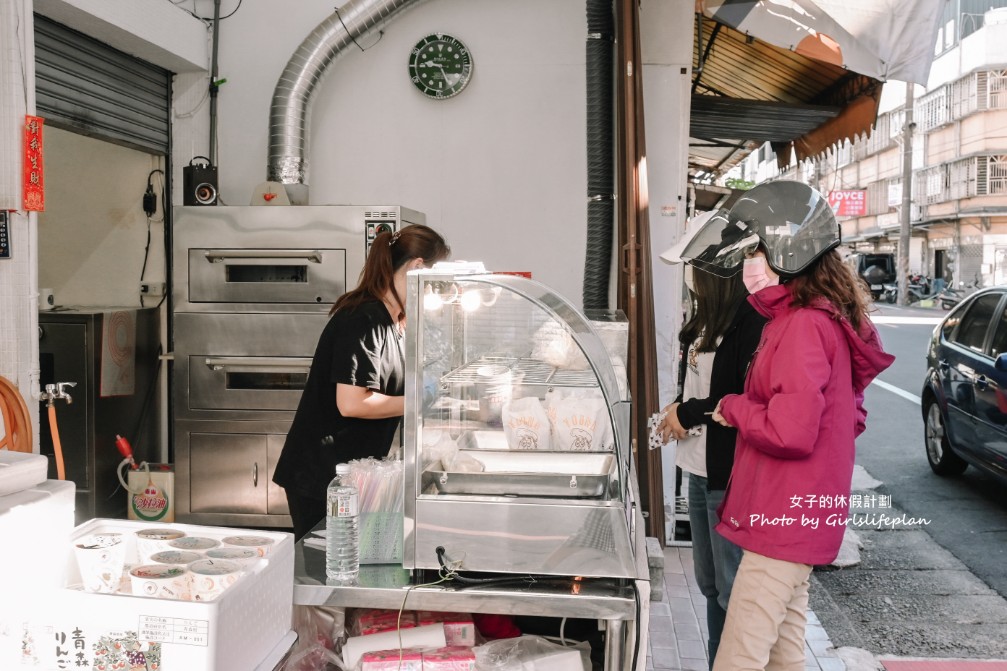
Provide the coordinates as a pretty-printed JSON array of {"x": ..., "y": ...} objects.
[
  {"x": 516, "y": 441},
  {"x": 612, "y": 602},
  {"x": 517, "y": 464}
]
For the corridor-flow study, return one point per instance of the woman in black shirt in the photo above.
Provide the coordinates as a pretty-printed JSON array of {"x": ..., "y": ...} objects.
[{"x": 353, "y": 398}]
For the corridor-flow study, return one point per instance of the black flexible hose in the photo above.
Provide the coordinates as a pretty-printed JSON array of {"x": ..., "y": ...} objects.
[{"x": 600, "y": 152}]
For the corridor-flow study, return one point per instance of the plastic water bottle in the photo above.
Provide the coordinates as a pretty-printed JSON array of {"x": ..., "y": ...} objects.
[{"x": 342, "y": 548}]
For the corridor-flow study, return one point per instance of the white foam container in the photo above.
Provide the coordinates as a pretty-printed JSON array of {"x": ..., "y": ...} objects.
[
  {"x": 235, "y": 632},
  {"x": 20, "y": 471},
  {"x": 35, "y": 529}
]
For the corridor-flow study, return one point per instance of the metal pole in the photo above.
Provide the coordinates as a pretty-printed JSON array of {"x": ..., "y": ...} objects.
[{"x": 907, "y": 196}]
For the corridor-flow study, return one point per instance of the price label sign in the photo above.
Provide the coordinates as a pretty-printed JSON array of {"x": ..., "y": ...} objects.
[{"x": 4, "y": 236}]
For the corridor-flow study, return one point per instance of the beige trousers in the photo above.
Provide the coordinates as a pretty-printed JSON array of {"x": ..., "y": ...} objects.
[{"x": 766, "y": 616}]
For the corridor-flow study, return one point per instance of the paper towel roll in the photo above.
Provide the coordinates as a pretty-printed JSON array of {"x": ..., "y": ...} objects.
[
  {"x": 46, "y": 301},
  {"x": 428, "y": 636}
]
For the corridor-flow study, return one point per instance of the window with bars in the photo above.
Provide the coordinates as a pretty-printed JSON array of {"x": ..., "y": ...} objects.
[
  {"x": 879, "y": 137},
  {"x": 844, "y": 153},
  {"x": 996, "y": 89},
  {"x": 932, "y": 109},
  {"x": 964, "y": 178},
  {"x": 963, "y": 96},
  {"x": 975, "y": 91},
  {"x": 879, "y": 199},
  {"x": 930, "y": 185},
  {"x": 996, "y": 175}
]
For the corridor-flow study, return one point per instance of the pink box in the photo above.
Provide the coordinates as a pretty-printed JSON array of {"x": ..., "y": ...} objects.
[
  {"x": 376, "y": 620},
  {"x": 449, "y": 659},
  {"x": 459, "y": 629},
  {"x": 388, "y": 660}
]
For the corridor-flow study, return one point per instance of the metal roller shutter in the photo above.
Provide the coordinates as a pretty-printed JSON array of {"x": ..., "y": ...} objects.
[{"x": 88, "y": 87}]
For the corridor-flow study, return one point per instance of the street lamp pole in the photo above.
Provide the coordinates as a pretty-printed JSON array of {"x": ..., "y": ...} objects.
[{"x": 907, "y": 193}]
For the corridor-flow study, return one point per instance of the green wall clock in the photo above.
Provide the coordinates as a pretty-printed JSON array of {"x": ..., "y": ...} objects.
[{"x": 440, "y": 66}]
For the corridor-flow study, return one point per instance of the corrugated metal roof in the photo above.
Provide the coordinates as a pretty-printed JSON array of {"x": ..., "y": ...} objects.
[{"x": 746, "y": 92}]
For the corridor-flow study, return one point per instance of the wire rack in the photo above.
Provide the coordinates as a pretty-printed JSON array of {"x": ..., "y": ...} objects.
[{"x": 523, "y": 371}]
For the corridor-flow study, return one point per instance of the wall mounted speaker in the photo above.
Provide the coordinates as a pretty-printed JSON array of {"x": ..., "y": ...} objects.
[{"x": 199, "y": 183}]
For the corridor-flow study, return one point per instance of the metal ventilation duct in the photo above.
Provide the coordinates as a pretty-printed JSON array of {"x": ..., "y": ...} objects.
[{"x": 290, "y": 110}]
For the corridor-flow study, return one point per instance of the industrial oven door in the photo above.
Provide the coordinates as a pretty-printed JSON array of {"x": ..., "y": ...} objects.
[
  {"x": 231, "y": 275},
  {"x": 242, "y": 366},
  {"x": 246, "y": 382}
]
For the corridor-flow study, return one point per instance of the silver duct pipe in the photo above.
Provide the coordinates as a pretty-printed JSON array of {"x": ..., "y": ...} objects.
[{"x": 290, "y": 111}]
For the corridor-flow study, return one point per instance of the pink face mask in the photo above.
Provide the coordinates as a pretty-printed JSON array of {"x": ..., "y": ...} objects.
[{"x": 754, "y": 275}]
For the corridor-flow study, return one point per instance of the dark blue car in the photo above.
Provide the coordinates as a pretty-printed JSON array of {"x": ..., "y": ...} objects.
[{"x": 965, "y": 392}]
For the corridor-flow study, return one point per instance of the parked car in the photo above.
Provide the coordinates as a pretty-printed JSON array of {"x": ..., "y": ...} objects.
[
  {"x": 965, "y": 392},
  {"x": 877, "y": 270}
]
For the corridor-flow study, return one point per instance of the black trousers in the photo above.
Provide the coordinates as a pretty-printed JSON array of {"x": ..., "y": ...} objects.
[{"x": 305, "y": 512}]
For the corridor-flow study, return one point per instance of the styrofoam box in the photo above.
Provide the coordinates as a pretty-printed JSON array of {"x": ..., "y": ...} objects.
[
  {"x": 35, "y": 525},
  {"x": 20, "y": 471},
  {"x": 234, "y": 632}
]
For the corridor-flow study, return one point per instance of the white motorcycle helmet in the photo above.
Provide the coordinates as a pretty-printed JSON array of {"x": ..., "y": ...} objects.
[
  {"x": 792, "y": 221},
  {"x": 674, "y": 253}
]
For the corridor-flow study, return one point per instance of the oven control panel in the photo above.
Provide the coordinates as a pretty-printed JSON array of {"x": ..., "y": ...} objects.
[{"x": 376, "y": 228}]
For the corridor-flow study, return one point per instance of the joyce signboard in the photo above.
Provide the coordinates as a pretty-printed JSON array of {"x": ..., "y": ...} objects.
[{"x": 848, "y": 202}]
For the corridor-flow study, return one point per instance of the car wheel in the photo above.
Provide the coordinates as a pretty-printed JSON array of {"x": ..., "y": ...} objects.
[{"x": 942, "y": 460}]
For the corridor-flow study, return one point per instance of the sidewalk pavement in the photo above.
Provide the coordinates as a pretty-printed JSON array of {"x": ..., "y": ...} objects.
[{"x": 678, "y": 631}]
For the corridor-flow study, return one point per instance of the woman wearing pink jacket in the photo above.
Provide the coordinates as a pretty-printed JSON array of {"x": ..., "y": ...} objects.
[{"x": 787, "y": 501}]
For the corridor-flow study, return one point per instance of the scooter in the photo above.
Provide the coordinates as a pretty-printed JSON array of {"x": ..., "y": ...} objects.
[
  {"x": 917, "y": 289},
  {"x": 950, "y": 297}
]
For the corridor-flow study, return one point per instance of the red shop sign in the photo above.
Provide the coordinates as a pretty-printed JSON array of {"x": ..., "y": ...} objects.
[
  {"x": 848, "y": 202},
  {"x": 34, "y": 174}
]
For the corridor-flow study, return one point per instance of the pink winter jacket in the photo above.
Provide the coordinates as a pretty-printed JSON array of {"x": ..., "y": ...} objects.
[{"x": 788, "y": 497}]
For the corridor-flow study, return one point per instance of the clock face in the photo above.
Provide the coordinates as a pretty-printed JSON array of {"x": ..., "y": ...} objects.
[{"x": 440, "y": 66}]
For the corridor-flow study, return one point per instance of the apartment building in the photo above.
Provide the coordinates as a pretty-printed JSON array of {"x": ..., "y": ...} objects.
[{"x": 958, "y": 141}]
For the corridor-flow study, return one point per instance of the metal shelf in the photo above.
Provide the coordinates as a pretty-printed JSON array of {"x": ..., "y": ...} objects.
[{"x": 523, "y": 371}]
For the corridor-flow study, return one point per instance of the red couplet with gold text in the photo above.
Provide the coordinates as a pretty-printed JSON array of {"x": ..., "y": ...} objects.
[{"x": 34, "y": 173}]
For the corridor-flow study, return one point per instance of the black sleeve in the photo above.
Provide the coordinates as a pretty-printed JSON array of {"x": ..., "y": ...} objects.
[
  {"x": 356, "y": 351},
  {"x": 730, "y": 367}
]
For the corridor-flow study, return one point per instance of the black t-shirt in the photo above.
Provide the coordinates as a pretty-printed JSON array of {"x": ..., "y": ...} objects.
[{"x": 360, "y": 347}]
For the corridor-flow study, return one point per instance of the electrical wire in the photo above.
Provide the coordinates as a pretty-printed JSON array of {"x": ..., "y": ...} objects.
[
  {"x": 637, "y": 629},
  {"x": 451, "y": 571},
  {"x": 339, "y": 16},
  {"x": 20, "y": 57},
  {"x": 136, "y": 435},
  {"x": 146, "y": 249},
  {"x": 209, "y": 19}
]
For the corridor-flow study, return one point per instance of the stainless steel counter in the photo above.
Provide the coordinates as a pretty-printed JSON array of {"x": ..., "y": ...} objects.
[{"x": 391, "y": 586}]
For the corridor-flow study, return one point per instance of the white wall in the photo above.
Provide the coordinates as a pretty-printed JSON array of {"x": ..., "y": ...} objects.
[
  {"x": 984, "y": 47},
  {"x": 500, "y": 169},
  {"x": 667, "y": 74},
  {"x": 93, "y": 232},
  {"x": 666, "y": 46}
]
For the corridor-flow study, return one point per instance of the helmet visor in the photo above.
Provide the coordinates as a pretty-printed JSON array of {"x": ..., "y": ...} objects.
[
  {"x": 794, "y": 222},
  {"x": 721, "y": 245}
]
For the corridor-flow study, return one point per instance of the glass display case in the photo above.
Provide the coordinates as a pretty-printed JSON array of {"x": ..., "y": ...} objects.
[{"x": 516, "y": 438}]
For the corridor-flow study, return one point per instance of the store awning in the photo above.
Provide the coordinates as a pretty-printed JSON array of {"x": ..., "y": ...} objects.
[
  {"x": 883, "y": 39},
  {"x": 804, "y": 75}
]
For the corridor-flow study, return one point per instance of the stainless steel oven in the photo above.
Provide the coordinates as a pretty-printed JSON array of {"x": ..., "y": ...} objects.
[{"x": 252, "y": 287}]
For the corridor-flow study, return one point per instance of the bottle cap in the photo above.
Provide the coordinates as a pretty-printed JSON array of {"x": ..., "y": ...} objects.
[{"x": 342, "y": 469}]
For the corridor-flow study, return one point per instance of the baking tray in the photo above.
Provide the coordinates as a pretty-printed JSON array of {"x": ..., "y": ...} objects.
[{"x": 529, "y": 473}]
